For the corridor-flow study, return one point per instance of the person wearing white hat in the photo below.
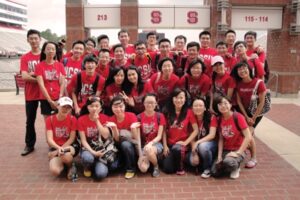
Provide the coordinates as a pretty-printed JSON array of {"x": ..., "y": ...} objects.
[
  {"x": 222, "y": 83},
  {"x": 60, "y": 134}
]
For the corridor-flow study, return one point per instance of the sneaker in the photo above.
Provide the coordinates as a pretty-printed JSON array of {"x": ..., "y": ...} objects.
[
  {"x": 235, "y": 173},
  {"x": 155, "y": 172},
  {"x": 27, "y": 150},
  {"x": 206, "y": 173},
  {"x": 129, "y": 174},
  {"x": 87, "y": 173},
  {"x": 180, "y": 172},
  {"x": 251, "y": 164}
]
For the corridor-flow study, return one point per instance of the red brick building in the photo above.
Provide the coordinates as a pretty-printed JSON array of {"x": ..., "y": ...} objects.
[{"x": 283, "y": 45}]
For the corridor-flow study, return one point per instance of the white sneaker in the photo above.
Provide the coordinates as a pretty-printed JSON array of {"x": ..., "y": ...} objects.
[
  {"x": 206, "y": 173},
  {"x": 235, "y": 173}
]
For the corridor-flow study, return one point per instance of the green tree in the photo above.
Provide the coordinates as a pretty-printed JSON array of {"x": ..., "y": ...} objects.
[{"x": 48, "y": 35}]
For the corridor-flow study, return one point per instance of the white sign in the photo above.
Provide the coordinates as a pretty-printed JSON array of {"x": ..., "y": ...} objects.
[
  {"x": 102, "y": 17},
  {"x": 192, "y": 17},
  {"x": 258, "y": 18},
  {"x": 174, "y": 17},
  {"x": 156, "y": 17}
]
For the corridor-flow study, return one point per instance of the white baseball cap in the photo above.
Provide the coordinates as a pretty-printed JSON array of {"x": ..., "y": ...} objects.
[
  {"x": 216, "y": 59},
  {"x": 65, "y": 101}
]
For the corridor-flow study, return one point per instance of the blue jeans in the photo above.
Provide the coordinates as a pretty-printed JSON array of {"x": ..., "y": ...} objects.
[
  {"x": 101, "y": 170},
  {"x": 129, "y": 153},
  {"x": 207, "y": 152}
]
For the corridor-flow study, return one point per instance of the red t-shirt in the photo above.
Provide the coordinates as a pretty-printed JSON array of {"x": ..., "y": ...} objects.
[
  {"x": 89, "y": 127},
  {"x": 163, "y": 88},
  {"x": 129, "y": 50},
  {"x": 202, "y": 132},
  {"x": 256, "y": 67},
  {"x": 156, "y": 57},
  {"x": 126, "y": 123},
  {"x": 223, "y": 83},
  {"x": 152, "y": 51},
  {"x": 150, "y": 125},
  {"x": 86, "y": 86},
  {"x": 207, "y": 55},
  {"x": 28, "y": 62},
  {"x": 103, "y": 71},
  {"x": 116, "y": 63},
  {"x": 61, "y": 129},
  {"x": 51, "y": 75},
  {"x": 180, "y": 132},
  {"x": 195, "y": 86},
  {"x": 184, "y": 52},
  {"x": 144, "y": 65},
  {"x": 233, "y": 138},
  {"x": 229, "y": 63},
  {"x": 138, "y": 98},
  {"x": 245, "y": 90},
  {"x": 71, "y": 66},
  {"x": 113, "y": 90},
  {"x": 261, "y": 56}
]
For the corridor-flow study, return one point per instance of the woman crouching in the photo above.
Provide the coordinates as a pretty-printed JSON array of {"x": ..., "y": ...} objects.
[
  {"x": 234, "y": 138},
  {"x": 61, "y": 132},
  {"x": 91, "y": 130}
]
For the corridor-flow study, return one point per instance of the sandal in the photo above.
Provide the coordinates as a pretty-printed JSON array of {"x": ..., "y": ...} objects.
[{"x": 251, "y": 164}]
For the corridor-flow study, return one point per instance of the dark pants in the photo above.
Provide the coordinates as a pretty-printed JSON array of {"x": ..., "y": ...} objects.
[
  {"x": 31, "y": 110},
  {"x": 175, "y": 159},
  {"x": 129, "y": 153}
]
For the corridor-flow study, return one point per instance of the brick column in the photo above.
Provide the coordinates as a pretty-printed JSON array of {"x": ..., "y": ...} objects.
[
  {"x": 129, "y": 18},
  {"x": 215, "y": 20},
  {"x": 75, "y": 22},
  {"x": 283, "y": 51}
]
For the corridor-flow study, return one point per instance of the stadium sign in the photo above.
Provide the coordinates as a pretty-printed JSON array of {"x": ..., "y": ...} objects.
[{"x": 258, "y": 18}]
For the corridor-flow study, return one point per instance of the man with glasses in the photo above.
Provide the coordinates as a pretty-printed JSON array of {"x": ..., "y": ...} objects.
[{"x": 142, "y": 60}]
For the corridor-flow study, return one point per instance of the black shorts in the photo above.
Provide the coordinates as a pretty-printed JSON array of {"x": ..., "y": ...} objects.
[{"x": 46, "y": 109}]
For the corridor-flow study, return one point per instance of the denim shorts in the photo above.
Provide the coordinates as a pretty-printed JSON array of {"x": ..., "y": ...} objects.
[{"x": 159, "y": 147}]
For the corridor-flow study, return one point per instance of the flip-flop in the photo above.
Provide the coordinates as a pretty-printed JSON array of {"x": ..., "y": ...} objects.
[{"x": 251, "y": 164}]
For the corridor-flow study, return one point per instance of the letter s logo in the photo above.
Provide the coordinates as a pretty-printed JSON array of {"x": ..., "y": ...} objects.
[
  {"x": 192, "y": 17},
  {"x": 155, "y": 16}
]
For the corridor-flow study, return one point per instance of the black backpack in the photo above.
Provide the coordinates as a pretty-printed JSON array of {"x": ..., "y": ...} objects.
[{"x": 79, "y": 86}]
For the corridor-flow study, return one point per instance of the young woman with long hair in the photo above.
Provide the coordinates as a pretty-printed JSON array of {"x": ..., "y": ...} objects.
[
  {"x": 50, "y": 77},
  {"x": 205, "y": 145},
  {"x": 234, "y": 138},
  {"x": 152, "y": 125},
  {"x": 178, "y": 133},
  {"x": 246, "y": 84},
  {"x": 91, "y": 127},
  {"x": 135, "y": 89},
  {"x": 125, "y": 132}
]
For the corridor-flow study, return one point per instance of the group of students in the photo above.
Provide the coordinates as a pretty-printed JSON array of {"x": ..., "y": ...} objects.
[{"x": 162, "y": 109}]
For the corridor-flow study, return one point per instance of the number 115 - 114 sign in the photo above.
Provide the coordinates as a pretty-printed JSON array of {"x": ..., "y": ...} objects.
[{"x": 174, "y": 17}]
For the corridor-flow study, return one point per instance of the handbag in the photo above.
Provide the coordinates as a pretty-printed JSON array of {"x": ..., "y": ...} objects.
[
  {"x": 255, "y": 101},
  {"x": 110, "y": 150}
]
